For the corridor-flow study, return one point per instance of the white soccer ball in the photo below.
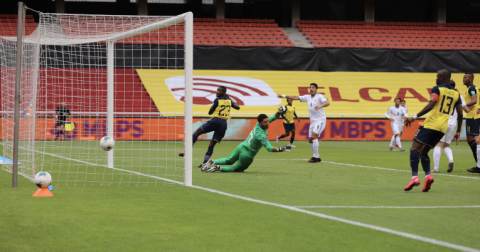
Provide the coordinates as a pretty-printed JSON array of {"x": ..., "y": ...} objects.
[
  {"x": 43, "y": 179},
  {"x": 107, "y": 143},
  {"x": 282, "y": 109}
]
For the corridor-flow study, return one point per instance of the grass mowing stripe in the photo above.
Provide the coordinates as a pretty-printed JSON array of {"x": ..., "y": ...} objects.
[
  {"x": 355, "y": 223},
  {"x": 394, "y": 207}
]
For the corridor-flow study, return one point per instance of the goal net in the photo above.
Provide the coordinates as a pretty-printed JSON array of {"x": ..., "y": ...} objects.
[{"x": 109, "y": 76}]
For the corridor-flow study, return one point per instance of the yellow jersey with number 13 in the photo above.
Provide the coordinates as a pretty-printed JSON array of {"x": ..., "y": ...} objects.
[{"x": 446, "y": 99}]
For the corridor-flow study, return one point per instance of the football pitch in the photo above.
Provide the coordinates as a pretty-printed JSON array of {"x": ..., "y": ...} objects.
[{"x": 352, "y": 201}]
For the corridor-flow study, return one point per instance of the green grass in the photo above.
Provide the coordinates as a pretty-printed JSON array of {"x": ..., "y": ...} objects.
[{"x": 169, "y": 217}]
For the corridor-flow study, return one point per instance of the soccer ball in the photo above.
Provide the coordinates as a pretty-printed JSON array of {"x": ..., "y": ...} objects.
[
  {"x": 107, "y": 143},
  {"x": 43, "y": 179},
  {"x": 282, "y": 109}
]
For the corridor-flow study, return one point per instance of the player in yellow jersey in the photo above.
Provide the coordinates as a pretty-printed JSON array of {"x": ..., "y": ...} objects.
[
  {"x": 472, "y": 122},
  {"x": 444, "y": 99},
  {"x": 220, "y": 112},
  {"x": 288, "y": 122}
]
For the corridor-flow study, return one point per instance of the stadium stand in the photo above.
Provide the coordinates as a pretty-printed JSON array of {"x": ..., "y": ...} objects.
[
  {"x": 395, "y": 35},
  {"x": 130, "y": 94},
  {"x": 8, "y": 25},
  {"x": 208, "y": 31}
]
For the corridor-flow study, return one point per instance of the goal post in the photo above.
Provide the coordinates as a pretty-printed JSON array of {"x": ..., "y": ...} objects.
[{"x": 108, "y": 75}]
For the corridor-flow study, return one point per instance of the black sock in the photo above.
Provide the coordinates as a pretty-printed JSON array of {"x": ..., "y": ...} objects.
[
  {"x": 473, "y": 146},
  {"x": 414, "y": 160},
  {"x": 425, "y": 163}
]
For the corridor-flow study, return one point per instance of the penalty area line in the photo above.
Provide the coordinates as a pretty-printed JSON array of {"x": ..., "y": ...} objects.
[{"x": 355, "y": 223}]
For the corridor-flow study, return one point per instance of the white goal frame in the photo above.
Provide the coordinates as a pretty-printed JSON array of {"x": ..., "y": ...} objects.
[{"x": 187, "y": 18}]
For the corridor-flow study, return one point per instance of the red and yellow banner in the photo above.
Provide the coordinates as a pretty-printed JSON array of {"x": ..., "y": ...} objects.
[{"x": 159, "y": 129}]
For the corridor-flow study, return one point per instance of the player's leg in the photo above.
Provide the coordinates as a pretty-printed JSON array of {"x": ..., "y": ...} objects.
[
  {"x": 220, "y": 129},
  {"x": 244, "y": 161},
  {"x": 398, "y": 136},
  {"x": 392, "y": 141},
  {"x": 437, "y": 154},
  {"x": 414, "y": 160},
  {"x": 64, "y": 131},
  {"x": 292, "y": 129},
  {"x": 446, "y": 147},
  {"x": 314, "y": 132},
  {"x": 477, "y": 168},
  {"x": 286, "y": 134},
  {"x": 58, "y": 130},
  {"x": 425, "y": 160},
  {"x": 472, "y": 131},
  {"x": 232, "y": 158}
]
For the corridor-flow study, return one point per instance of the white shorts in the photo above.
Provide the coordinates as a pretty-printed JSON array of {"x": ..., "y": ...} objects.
[
  {"x": 397, "y": 129},
  {"x": 316, "y": 127},
  {"x": 447, "y": 138}
]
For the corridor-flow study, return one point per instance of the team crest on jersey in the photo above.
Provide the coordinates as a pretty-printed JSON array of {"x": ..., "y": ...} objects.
[{"x": 242, "y": 90}]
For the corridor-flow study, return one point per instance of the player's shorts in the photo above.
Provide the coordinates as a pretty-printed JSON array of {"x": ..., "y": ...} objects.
[
  {"x": 60, "y": 122},
  {"x": 218, "y": 125},
  {"x": 397, "y": 128},
  {"x": 316, "y": 127},
  {"x": 428, "y": 137},
  {"x": 472, "y": 126},
  {"x": 447, "y": 138},
  {"x": 289, "y": 126}
]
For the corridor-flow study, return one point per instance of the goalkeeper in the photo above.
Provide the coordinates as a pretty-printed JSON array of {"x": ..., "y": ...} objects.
[{"x": 246, "y": 151}]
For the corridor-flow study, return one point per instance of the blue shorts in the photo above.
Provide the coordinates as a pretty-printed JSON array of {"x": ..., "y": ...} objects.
[
  {"x": 472, "y": 126},
  {"x": 428, "y": 137},
  {"x": 289, "y": 127},
  {"x": 218, "y": 125}
]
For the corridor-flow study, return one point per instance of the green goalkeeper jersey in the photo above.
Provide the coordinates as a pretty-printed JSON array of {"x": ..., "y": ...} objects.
[{"x": 258, "y": 138}]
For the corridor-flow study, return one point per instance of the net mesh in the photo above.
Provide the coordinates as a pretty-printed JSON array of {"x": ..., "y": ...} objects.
[{"x": 65, "y": 65}]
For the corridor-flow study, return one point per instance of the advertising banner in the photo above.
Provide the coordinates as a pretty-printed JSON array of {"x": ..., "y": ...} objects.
[
  {"x": 351, "y": 94},
  {"x": 160, "y": 129}
]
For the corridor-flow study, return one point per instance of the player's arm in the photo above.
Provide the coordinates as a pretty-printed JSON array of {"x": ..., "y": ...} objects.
[
  {"x": 288, "y": 96},
  {"x": 270, "y": 148},
  {"x": 473, "y": 94},
  {"x": 324, "y": 105},
  {"x": 235, "y": 106},
  {"x": 295, "y": 116},
  {"x": 214, "y": 106},
  {"x": 458, "y": 107},
  {"x": 427, "y": 108},
  {"x": 387, "y": 114},
  {"x": 274, "y": 117}
]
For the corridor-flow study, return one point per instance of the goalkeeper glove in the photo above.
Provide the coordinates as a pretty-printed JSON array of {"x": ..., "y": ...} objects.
[{"x": 286, "y": 148}]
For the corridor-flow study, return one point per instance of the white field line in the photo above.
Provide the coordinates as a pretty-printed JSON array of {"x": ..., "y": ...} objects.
[
  {"x": 380, "y": 168},
  {"x": 355, "y": 223},
  {"x": 390, "y": 207}
]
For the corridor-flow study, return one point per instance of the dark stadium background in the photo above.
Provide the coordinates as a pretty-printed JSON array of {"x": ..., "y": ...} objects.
[{"x": 457, "y": 11}]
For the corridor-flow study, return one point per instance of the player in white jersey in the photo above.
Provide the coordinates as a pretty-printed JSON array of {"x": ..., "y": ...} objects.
[
  {"x": 447, "y": 138},
  {"x": 316, "y": 103},
  {"x": 397, "y": 115},
  {"x": 402, "y": 103}
]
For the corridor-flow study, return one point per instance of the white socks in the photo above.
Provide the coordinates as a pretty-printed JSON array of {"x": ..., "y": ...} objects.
[
  {"x": 437, "y": 153},
  {"x": 392, "y": 142},
  {"x": 449, "y": 153},
  {"x": 478, "y": 155},
  {"x": 314, "y": 146},
  {"x": 398, "y": 142}
]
